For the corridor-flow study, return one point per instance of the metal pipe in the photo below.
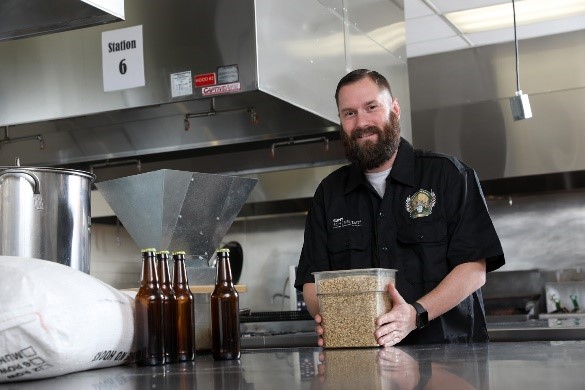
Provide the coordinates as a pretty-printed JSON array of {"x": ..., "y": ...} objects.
[{"x": 292, "y": 141}]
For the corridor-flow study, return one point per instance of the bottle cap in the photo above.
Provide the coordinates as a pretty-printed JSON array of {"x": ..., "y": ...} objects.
[
  {"x": 162, "y": 252},
  {"x": 178, "y": 253},
  {"x": 223, "y": 250},
  {"x": 148, "y": 250}
]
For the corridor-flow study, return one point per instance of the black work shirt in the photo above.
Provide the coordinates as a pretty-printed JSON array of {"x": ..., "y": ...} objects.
[{"x": 349, "y": 226}]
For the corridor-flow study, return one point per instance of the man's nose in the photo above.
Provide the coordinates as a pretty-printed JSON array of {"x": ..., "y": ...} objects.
[{"x": 362, "y": 120}]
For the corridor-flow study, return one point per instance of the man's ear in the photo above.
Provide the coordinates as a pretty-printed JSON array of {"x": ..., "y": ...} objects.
[{"x": 396, "y": 107}]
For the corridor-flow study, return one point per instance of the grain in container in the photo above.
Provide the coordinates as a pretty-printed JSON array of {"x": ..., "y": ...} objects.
[{"x": 349, "y": 303}]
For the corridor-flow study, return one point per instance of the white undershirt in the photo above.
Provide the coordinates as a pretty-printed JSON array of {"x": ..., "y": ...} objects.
[{"x": 378, "y": 180}]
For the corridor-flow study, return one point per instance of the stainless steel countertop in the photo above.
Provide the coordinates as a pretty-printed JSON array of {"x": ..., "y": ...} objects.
[
  {"x": 552, "y": 329},
  {"x": 522, "y": 365},
  {"x": 287, "y": 334}
]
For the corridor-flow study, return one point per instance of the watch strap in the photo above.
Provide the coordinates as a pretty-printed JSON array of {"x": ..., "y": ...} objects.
[{"x": 422, "y": 317}]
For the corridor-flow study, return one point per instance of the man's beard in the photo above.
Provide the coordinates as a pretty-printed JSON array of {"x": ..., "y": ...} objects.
[{"x": 371, "y": 155}]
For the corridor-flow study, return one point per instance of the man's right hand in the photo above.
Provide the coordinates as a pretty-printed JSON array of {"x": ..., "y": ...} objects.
[{"x": 319, "y": 330}]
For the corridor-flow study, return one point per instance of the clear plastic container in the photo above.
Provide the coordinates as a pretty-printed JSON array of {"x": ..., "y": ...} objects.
[{"x": 349, "y": 303}]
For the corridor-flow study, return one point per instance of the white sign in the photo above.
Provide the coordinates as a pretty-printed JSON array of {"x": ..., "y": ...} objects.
[
  {"x": 181, "y": 84},
  {"x": 123, "y": 59}
]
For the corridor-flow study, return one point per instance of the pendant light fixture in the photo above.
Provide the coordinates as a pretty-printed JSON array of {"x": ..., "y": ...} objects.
[{"x": 519, "y": 103}]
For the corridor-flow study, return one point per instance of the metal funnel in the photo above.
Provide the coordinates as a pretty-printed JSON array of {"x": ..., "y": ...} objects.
[{"x": 177, "y": 210}]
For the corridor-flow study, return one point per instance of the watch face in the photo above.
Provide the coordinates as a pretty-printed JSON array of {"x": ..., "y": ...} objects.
[
  {"x": 422, "y": 320},
  {"x": 422, "y": 317}
]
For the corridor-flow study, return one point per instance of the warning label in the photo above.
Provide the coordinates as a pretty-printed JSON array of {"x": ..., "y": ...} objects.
[
  {"x": 220, "y": 89},
  {"x": 202, "y": 80},
  {"x": 22, "y": 363}
]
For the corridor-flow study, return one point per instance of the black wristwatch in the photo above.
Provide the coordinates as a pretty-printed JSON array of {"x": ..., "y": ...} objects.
[{"x": 422, "y": 317}]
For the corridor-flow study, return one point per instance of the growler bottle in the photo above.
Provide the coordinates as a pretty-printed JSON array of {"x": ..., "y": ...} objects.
[
  {"x": 169, "y": 307},
  {"x": 149, "y": 314},
  {"x": 225, "y": 312},
  {"x": 185, "y": 309}
]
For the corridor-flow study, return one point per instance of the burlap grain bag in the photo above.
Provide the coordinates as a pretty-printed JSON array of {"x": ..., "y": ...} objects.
[{"x": 56, "y": 320}]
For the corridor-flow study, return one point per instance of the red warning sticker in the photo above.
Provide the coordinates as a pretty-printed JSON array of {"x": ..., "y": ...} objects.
[{"x": 202, "y": 80}]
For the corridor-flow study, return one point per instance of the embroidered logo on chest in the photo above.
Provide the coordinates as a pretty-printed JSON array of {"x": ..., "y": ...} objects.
[
  {"x": 340, "y": 223},
  {"x": 421, "y": 203}
]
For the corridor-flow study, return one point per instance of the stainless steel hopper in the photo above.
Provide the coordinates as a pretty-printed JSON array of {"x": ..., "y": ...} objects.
[{"x": 177, "y": 210}]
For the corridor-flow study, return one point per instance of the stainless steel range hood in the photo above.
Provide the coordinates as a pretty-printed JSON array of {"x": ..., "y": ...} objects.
[
  {"x": 284, "y": 59},
  {"x": 28, "y": 18}
]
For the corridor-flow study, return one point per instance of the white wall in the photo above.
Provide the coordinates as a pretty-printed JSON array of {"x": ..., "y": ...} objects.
[
  {"x": 270, "y": 246},
  {"x": 115, "y": 258}
]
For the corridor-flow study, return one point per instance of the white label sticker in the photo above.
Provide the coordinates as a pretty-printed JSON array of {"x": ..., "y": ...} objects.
[
  {"x": 220, "y": 89},
  {"x": 181, "y": 84},
  {"x": 123, "y": 58}
]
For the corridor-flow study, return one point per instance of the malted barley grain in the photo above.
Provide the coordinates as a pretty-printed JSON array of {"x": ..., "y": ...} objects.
[{"x": 349, "y": 307}]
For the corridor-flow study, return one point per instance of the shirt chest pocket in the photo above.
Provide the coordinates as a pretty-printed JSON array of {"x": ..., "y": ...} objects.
[
  {"x": 422, "y": 251},
  {"x": 349, "y": 250}
]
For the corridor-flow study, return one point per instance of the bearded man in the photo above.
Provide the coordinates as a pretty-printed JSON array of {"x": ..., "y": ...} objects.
[{"x": 419, "y": 212}]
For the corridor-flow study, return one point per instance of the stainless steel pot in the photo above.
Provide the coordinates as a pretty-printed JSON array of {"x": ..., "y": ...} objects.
[{"x": 45, "y": 213}]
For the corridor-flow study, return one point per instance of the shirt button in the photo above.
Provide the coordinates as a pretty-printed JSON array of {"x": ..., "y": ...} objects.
[
  {"x": 384, "y": 249},
  {"x": 347, "y": 243},
  {"x": 381, "y": 215},
  {"x": 421, "y": 236}
]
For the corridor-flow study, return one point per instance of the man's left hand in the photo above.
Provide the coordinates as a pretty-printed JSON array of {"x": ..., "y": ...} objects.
[{"x": 395, "y": 325}]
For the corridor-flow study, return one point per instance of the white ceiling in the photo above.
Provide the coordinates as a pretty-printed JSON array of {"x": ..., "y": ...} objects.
[{"x": 428, "y": 32}]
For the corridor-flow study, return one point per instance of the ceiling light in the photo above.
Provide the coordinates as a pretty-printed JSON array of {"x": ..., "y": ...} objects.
[
  {"x": 520, "y": 104},
  {"x": 527, "y": 11}
]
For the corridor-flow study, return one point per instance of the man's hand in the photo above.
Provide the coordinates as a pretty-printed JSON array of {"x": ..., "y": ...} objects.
[
  {"x": 399, "y": 366},
  {"x": 319, "y": 330},
  {"x": 397, "y": 323}
]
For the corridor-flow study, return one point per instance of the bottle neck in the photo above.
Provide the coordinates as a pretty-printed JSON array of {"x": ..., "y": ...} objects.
[
  {"x": 224, "y": 271},
  {"x": 179, "y": 272},
  {"x": 149, "y": 272},
  {"x": 163, "y": 271}
]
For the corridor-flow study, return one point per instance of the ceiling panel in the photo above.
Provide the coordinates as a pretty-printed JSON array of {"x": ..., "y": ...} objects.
[
  {"x": 428, "y": 31},
  {"x": 416, "y": 9},
  {"x": 458, "y": 5},
  {"x": 434, "y": 29}
]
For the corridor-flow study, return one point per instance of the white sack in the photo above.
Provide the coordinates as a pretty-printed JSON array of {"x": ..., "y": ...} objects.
[{"x": 56, "y": 320}]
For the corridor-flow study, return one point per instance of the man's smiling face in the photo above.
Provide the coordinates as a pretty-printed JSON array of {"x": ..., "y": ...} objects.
[{"x": 370, "y": 123}]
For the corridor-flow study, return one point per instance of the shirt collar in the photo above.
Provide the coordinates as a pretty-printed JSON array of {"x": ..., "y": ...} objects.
[{"x": 402, "y": 169}]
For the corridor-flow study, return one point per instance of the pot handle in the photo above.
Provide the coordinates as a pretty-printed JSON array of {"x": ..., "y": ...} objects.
[{"x": 23, "y": 173}]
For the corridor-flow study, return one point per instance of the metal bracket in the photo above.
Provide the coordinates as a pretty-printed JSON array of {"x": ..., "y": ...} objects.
[
  {"x": 117, "y": 163},
  {"x": 213, "y": 112},
  {"x": 7, "y": 140}
]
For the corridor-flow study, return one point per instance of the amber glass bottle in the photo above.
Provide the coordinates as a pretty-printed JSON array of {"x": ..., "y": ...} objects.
[
  {"x": 225, "y": 312},
  {"x": 149, "y": 314},
  {"x": 185, "y": 309},
  {"x": 169, "y": 307}
]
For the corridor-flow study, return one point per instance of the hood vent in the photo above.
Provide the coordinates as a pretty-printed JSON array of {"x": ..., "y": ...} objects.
[
  {"x": 246, "y": 75},
  {"x": 28, "y": 18}
]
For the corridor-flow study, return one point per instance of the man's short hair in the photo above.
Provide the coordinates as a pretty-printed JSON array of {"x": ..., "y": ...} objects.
[{"x": 357, "y": 75}]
